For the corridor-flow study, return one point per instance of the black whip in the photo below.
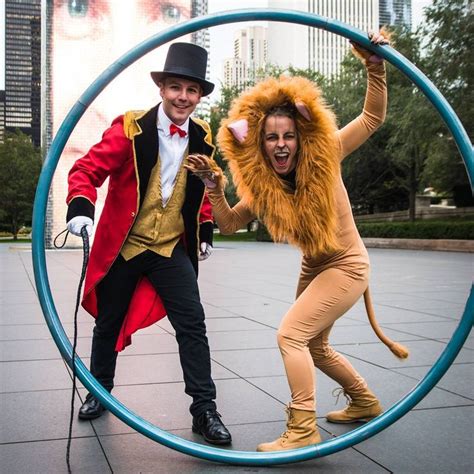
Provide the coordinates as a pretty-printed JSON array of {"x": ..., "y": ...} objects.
[{"x": 85, "y": 248}]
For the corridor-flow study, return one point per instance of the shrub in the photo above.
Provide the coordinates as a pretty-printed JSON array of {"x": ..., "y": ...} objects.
[{"x": 462, "y": 230}]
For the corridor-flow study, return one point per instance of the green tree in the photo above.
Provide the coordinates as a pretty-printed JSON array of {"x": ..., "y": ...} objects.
[
  {"x": 411, "y": 133},
  {"x": 387, "y": 172},
  {"x": 449, "y": 29},
  {"x": 411, "y": 120},
  {"x": 413, "y": 149},
  {"x": 219, "y": 111},
  {"x": 371, "y": 176},
  {"x": 20, "y": 166}
]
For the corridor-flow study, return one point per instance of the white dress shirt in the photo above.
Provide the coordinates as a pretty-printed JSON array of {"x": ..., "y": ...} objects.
[{"x": 171, "y": 150}]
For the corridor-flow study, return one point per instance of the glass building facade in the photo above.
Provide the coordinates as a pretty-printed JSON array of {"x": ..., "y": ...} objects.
[
  {"x": 23, "y": 67},
  {"x": 201, "y": 38},
  {"x": 314, "y": 48},
  {"x": 2, "y": 116},
  {"x": 395, "y": 13}
]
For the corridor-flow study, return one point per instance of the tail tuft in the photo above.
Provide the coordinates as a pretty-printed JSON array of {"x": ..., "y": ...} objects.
[{"x": 400, "y": 351}]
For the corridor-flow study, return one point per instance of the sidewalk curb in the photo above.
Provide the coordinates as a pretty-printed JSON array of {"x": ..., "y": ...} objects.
[
  {"x": 443, "y": 245},
  {"x": 420, "y": 244}
]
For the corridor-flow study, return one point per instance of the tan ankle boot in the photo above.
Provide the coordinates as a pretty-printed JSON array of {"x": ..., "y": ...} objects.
[
  {"x": 301, "y": 431},
  {"x": 362, "y": 406}
]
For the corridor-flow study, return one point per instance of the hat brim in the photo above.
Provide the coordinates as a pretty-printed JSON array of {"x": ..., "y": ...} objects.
[{"x": 159, "y": 76}]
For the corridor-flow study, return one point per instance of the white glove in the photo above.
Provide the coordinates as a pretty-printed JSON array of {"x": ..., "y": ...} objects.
[
  {"x": 206, "y": 250},
  {"x": 77, "y": 223}
]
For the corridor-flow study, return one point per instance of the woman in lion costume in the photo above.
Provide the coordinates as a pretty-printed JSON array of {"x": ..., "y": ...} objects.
[{"x": 284, "y": 151}]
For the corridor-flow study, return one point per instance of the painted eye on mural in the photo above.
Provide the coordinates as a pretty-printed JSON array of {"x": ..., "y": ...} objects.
[
  {"x": 170, "y": 13},
  {"x": 78, "y": 8},
  {"x": 79, "y": 19}
]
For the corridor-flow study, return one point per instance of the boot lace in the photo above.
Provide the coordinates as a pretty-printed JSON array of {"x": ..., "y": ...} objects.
[
  {"x": 289, "y": 423},
  {"x": 337, "y": 392}
]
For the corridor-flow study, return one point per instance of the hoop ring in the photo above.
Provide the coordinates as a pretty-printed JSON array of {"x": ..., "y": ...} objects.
[{"x": 41, "y": 277}]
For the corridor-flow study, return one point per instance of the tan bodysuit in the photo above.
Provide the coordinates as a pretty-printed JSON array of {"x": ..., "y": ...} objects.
[{"x": 329, "y": 284}]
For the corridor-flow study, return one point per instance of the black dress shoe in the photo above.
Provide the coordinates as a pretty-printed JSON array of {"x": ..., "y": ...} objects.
[
  {"x": 210, "y": 426},
  {"x": 91, "y": 408}
]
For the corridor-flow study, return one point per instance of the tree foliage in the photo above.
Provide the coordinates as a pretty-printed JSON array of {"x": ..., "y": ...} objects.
[
  {"x": 448, "y": 61},
  {"x": 219, "y": 111},
  {"x": 411, "y": 121},
  {"x": 20, "y": 166},
  {"x": 413, "y": 150},
  {"x": 372, "y": 178}
]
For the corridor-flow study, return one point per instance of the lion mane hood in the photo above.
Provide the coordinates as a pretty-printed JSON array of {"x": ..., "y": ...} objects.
[{"x": 307, "y": 216}]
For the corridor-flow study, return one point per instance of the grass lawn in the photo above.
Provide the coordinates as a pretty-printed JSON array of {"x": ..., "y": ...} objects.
[{"x": 8, "y": 240}]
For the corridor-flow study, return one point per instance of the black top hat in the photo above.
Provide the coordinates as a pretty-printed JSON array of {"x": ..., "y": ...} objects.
[{"x": 188, "y": 61}]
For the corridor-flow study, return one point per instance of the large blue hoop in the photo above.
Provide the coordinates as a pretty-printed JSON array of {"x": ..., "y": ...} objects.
[{"x": 39, "y": 262}]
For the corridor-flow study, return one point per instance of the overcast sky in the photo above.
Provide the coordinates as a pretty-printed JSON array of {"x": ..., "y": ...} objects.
[{"x": 221, "y": 36}]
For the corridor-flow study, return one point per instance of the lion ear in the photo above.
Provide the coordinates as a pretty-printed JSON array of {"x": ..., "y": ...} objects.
[
  {"x": 302, "y": 108},
  {"x": 239, "y": 129}
]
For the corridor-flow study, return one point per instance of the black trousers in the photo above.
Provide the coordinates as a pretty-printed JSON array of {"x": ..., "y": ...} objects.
[{"x": 174, "y": 279}]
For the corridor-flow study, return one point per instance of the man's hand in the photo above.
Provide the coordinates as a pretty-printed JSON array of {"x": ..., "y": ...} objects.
[
  {"x": 205, "y": 251},
  {"x": 206, "y": 170},
  {"x": 77, "y": 223}
]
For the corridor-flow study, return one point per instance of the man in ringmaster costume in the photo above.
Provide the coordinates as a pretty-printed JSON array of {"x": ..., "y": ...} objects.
[{"x": 155, "y": 225}]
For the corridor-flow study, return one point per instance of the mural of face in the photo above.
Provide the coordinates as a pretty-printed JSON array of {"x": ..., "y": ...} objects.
[{"x": 86, "y": 36}]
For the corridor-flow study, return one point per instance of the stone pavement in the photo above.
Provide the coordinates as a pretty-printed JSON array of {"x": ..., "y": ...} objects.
[{"x": 246, "y": 288}]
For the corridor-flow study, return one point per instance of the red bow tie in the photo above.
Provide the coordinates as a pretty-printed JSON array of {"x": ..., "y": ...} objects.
[{"x": 174, "y": 129}]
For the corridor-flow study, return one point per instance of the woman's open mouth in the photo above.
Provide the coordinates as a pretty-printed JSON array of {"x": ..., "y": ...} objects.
[{"x": 281, "y": 158}]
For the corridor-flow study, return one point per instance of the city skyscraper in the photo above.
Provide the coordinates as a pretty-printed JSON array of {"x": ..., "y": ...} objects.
[
  {"x": 201, "y": 38},
  {"x": 2, "y": 116},
  {"x": 395, "y": 13},
  {"x": 250, "y": 54},
  {"x": 23, "y": 67},
  {"x": 250, "y": 45},
  {"x": 306, "y": 47},
  {"x": 235, "y": 73}
]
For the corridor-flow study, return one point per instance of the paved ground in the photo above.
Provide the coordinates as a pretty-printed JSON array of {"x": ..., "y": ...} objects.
[{"x": 246, "y": 288}]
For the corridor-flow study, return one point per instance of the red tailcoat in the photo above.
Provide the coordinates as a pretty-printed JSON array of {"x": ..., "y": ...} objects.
[{"x": 126, "y": 155}]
